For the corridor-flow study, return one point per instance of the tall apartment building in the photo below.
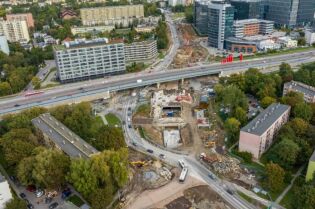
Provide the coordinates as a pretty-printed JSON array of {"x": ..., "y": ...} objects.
[
  {"x": 258, "y": 135},
  {"x": 111, "y": 15},
  {"x": 247, "y": 9},
  {"x": 28, "y": 17},
  {"x": 14, "y": 30},
  {"x": 141, "y": 51},
  {"x": 251, "y": 27},
  {"x": 220, "y": 20},
  {"x": 307, "y": 91},
  {"x": 4, "y": 47},
  {"x": 290, "y": 12},
  {"x": 200, "y": 16},
  {"x": 81, "y": 59}
]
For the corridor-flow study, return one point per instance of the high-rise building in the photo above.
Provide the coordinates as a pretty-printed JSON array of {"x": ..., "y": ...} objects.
[
  {"x": 28, "y": 17},
  {"x": 141, "y": 51},
  {"x": 200, "y": 16},
  {"x": 290, "y": 12},
  {"x": 220, "y": 20},
  {"x": 81, "y": 59},
  {"x": 14, "y": 30},
  {"x": 247, "y": 9},
  {"x": 111, "y": 15},
  {"x": 4, "y": 47}
]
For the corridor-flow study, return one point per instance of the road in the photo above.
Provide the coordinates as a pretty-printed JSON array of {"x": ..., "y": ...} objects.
[
  {"x": 68, "y": 92},
  {"x": 195, "y": 168}
]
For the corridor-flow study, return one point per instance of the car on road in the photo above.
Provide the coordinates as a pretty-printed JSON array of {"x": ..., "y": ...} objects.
[
  {"x": 23, "y": 195},
  {"x": 31, "y": 188},
  {"x": 129, "y": 126},
  {"x": 53, "y": 205},
  {"x": 150, "y": 151},
  {"x": 162, "y": 156},
  {"x": 30, "y": 206},
  {"x": 17, "y": 105},
  {"x": 211, "y": 176},
  {"x": 39, "y": 192},
  {"x": 134, "y": 143},
  {"x": 230, "y": 191}
]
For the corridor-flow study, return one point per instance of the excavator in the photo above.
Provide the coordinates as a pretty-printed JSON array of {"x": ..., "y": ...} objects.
[{"x": 210, "y": 144}]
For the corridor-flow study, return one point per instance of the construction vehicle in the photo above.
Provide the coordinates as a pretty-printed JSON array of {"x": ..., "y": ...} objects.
[
  {"x": 208, "y": 159},
  {"x": 139, "y": 164},
  {"x": 210, "y": 144}
]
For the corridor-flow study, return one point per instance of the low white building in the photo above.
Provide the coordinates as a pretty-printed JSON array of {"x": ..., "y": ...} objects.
[
  {"x": 5, "y": 192},
  {"x": 268, "y": 44},
  {"x": 4, "y": 47},
  {"x": 91, "y": 29},
  {"x": 171, "y": 138},
  {"x": 287, "y": 42},
  {"x": 310, "y": 36}
]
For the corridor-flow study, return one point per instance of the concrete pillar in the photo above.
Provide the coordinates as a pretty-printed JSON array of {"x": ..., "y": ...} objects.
[
  {"x": 158, "y": 85},
  {"x": 182, "y": 81}
]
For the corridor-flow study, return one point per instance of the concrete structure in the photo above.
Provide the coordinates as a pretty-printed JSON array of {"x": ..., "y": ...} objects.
[
  {"x": 290, "y": 12},
  {"x": 81, "y": 59},
  {"x": 171, "y": 138},
  {"x": 310, "y": 36},
  {"x": 310, "y": 168},
  {"x": 59, "y": 136},
  {"x": 141, "y": 51},
  {"x": 15, "y": 30},
  {"x": 250, "y": 27},
  {"x": 91, "y": 29},
  {"x": 247, "y": 9},
  {"x": 268, "y": 44},
  {"x": 4, "y": 47},
  {"x": 28, "y": 17},
  {"x": 287, "y": 42},
  {"x": 5, "y": 192},
  {"x": 257, "y": 136},
  {"x": 144, "y": 29},
  {"x": 111, "y": 15},
  {"x": 307, "y": 91},
  {"x": 173, "y": 3},
  {"x": 220, "y": 18},
  {"x": 200, "y": 16}
]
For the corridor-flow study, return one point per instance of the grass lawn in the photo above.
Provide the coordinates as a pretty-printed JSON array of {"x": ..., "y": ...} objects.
[
  {"x": 76, "y": 200},
  {"x": 178, "y": 15},
  {"x": 144, "y": 110},
  {"x": 141, "y": 132},
  {"x": 112, "y": 120},
  {"x": 288, "y": 199}
]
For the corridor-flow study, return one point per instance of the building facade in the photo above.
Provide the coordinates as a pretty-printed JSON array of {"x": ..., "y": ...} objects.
[
  {"x": 306, "y": 11},
  {"x": 59, "y": 136},
  {"x": 247, "y": 9},
  {"x": 111, "y": 15},
  {"x": 239, "y": 45},
  {"x": 5, "y": 192},
  {"x": 310, "y": 168},
  {"x": 258, "y": 135},
  {"x": 310, "y": 36},
  {"x": 80, "y": 59},
  {"x": 14, "y": 30},
  {"x": 4, "y": 47},
  {"x": 91, "y": 29},
  {"x": 220, "y": 18},
  {"x": 251, "y": 27},
  {"x": 200, "y": 16},
  {"x": 141, "y": 51},
  {"x": 307, "y": 91},
  {"x": 28, "y": 17}
]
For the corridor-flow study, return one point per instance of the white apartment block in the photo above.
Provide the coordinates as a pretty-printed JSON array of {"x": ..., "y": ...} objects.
[
  {"x": 5, "y": 192},
  {"x": 307, "y": 91},
  {"x": 15, "y": 30},
  {"x": 111, "y": 15},
  {"x": 81, "y": 59},
  {"x": 141, "y": 51},
  {"x": 91, "y": 29}
]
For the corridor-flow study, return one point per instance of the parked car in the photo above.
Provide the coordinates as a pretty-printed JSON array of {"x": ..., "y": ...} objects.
[
  {"x": 66, "y": 193},
  {"x": 48, "y": 200},
  {"x": 150, "y": 151},
  {"x": 23, "y": 195},
  {"x": 162, "y": 156},
  {"x": 30, "y": 206},
  {"x": 31, "y": 188},
  {"x": 39, "y": 192},
  {"x": 53, "y": 205}
]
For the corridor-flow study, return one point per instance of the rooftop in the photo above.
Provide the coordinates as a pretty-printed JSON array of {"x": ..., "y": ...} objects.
[
  {"x": 265, "y": 119},
  {"x": 82, "y": 43},
  {"x": 301, "y": 87},
  {"x": 68, "y": 141},
  {"x": 119, "y": 6},
  {"x": 252, "y": 21},
  {"x": 313, "y": 156}
]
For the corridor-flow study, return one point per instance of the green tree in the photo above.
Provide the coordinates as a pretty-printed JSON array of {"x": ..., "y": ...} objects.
[
  {"x": 292, "y": 98},
  {"x": 299, "y": 126},
  {"x": 304, "y": 111},
  {"x": 274, "y": 177},
  {"x": 189, "y": 14},
  {"x": 286, "y": 72},
  {"x": 24, "y": 171},
  {"x": 233, "y": 97},
  {"x": 101, "y": 198},
  {"x": 305, "y": 197},
  {"x": 36, "y": 82},
  {"x": 240, "y": 115},
  {"x": 5, "y": 88},
  {"x": 302, "y": 41},
  {"x": 266, "y": 101},
  {"x": 232, "y": 127},
  {"x": 47, "y": 172},
  {"x": 285, "y": 153},
  {"x": 15, "y": 203},
  {"x": 109, "y": 138}
]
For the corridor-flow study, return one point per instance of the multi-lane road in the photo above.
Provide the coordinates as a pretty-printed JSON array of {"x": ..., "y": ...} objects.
[{"x": 68, "y": 92}]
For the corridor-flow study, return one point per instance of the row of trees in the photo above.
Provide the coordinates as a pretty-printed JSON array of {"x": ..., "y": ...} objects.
[{"x": 161, "y": 35}]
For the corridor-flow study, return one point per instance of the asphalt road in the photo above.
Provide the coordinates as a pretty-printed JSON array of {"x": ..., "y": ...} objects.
[{"x": 127, "y": 81}]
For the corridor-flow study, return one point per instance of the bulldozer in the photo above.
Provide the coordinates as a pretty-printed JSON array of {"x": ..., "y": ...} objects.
[{"x": 210, "y": 144}]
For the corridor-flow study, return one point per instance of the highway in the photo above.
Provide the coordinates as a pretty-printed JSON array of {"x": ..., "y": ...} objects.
[{"x": 67, "y": 92}]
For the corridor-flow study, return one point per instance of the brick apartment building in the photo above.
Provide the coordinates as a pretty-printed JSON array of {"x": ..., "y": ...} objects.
[
  {"x": 258, "y": 135},
  {"x": 28, "y": 17}
]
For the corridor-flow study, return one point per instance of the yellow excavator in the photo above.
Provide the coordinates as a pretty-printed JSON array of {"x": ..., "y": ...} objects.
[
  {"x": 210, "y": 144},
  {"x": 139, "y": 163}
]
